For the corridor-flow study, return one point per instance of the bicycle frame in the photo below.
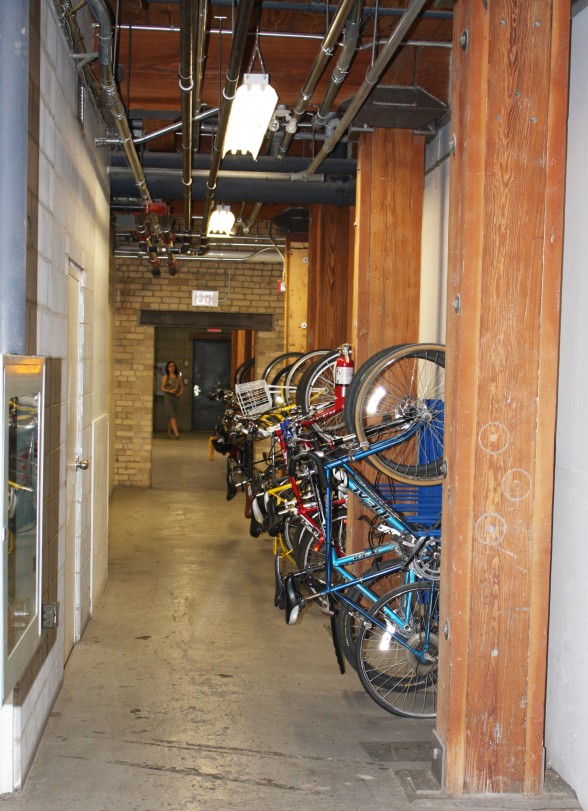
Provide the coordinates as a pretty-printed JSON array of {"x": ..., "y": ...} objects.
[{"x": 368, "y": 495}]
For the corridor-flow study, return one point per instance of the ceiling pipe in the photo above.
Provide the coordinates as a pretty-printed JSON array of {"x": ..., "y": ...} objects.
[
  {"x": 168, "y": 240},
  {"x": 315, "y": 73},
  {"x": 392, "y": 44},
  {"x": 117, "y": 111},
  {"x": 351, "y": 37},
  {"x": 251, "y": 219},
  {"x": 252, "y": 189},
  {"x": 200, "y": 39},
  {"x": 232, "y": 77},
  {"x": 68, "y": 22},
  {"x": 241, "y": 180},
  {"x": 153, "y": 136},
  {"x": 324, "y": 8},
  {"x": 186, "y": 90}
]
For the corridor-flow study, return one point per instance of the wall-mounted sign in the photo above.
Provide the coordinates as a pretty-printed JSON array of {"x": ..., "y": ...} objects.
[{"x": 205, "y": 298}]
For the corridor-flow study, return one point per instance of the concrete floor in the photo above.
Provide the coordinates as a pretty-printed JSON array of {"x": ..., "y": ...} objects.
[{"x": 188, "y": 690}]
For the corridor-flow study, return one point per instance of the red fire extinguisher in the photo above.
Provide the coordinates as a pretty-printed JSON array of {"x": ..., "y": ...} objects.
[{"x": 343, "y": 375}]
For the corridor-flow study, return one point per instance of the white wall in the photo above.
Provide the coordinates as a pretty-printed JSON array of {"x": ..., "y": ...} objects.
[
  {"x": 68, "y": 220},
  {"x": 567, "y": 685},
  {"x": 434, "y": 240}
]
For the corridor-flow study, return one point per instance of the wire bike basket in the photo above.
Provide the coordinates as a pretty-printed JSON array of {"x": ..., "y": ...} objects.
[{"x": 254, "y": 397}]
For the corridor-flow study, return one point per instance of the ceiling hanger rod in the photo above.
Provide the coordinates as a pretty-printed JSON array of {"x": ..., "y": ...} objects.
[{"x": 411, "y": 12}]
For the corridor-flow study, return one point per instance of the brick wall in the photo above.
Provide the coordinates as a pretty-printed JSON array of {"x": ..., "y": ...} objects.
[{"x": 243, "y": 287}]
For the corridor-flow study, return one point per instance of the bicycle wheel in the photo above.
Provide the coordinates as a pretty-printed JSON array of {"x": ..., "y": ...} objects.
[
  {"x": 244, "y": 372},
  {"x": 349, "y": 622},
  {"x": 397, "y": 663},
  {"x": 274, "y": 366},
  {"x": 297, "y": 369},
  {"x": 316, "y": 392},
  {"x": 400, "y": 392}
]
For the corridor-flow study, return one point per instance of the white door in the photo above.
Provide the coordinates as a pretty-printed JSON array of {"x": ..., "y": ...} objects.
[{"x": 72, "y": 505}]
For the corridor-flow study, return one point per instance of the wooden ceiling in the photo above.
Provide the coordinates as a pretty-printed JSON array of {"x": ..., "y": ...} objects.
[{"x": 148, "y": 51}]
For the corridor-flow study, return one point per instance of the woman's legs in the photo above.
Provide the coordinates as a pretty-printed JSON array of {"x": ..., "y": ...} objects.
[{"x": 172, "y": 428}]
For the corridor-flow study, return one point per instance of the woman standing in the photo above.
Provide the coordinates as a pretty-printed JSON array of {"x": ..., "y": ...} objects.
[{"x": 172, "y": 387}]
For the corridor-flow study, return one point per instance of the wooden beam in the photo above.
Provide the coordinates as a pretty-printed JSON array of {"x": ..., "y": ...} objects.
[
  {"x": 505, "y": 256},
  {"x": 174, "y": 318}
]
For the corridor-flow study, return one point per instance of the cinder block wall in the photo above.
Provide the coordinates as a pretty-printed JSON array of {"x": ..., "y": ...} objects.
[{"x": 242, "y": 287}]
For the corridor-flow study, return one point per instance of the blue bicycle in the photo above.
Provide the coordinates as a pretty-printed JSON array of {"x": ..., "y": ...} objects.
[{"x": 391, "y": 638}]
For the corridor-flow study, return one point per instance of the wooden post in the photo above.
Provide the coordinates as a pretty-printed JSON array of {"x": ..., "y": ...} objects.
[
  {"x": 509, "y": 104},
  {"x": 387, "y": 267},
  {"x": 296, "y": 295},
  {"x": 329, "y": 287}
]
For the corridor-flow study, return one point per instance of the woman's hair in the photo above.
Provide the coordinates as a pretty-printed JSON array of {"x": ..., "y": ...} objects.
[{"x": 171, "y": 363}]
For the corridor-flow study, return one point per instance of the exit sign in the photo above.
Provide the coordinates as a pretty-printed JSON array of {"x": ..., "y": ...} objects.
[{"x": 204, "y": 298}]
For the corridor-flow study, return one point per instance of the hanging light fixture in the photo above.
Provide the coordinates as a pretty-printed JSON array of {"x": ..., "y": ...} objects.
[
  {"x": 221, "y": 221},
  {"x": 252, "y": 110}
]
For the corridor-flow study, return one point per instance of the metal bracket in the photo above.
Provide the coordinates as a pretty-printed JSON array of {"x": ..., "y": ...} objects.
[
  {"x": 49, "y": 615},
  {"x": 438, "y": 760},
  {"x": 84, "y": 59}
]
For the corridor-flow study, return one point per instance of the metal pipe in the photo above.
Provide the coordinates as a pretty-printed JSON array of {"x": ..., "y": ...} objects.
[
  {"x": 238, "y": 190},
  {"x": 264, "y": 164},
  {"x": 339, "y": 74},
  {"x": 314, "y": 75},
  {"x": 230, "y": 89},
  {"x": 200, "y": 39},
  {"x": 267, "y": 254},
  {"x": 393, "y": 43},
  {"x": 116, "y": 108},
  {"x": 153, "y": 136},
  {"x": 186, "y": 89},
  {"x": 14, "y": 65},
  {"x": 324, "y": 8},
  {"x": 173, "y": 29},
  {"x": 246, "y": 227}
]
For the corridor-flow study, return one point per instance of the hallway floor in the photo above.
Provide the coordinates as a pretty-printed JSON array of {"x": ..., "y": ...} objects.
[{"x": 189, "y": 691}]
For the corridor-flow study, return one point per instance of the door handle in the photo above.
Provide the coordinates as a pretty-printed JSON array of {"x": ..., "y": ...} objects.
[{"x": 81, "y": 464}]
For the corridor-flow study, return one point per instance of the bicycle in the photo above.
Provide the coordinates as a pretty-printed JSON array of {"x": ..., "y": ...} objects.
[{"x": 406, "y": 618}]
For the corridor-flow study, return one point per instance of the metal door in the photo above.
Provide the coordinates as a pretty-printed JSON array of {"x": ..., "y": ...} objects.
[{"x": 212, "y": 365}]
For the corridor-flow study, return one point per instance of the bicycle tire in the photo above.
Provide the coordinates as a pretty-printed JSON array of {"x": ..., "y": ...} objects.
[
  {"x": 316, "y": 392},
  {"x": 277, "y": 363},
  {"x": 401, "y": 391},
  {"x": 244, "y": 372},
  {"x": 348, "y": 624},
  {"x": 279, "y": 388},
  {"x": 402, "y": 680},
  {"x": 297, "y": 369}
]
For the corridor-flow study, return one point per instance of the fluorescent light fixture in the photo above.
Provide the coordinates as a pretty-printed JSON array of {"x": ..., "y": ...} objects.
[
  {"x": 251, "y": 113},
  {"x": 221, "y": 221}
]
